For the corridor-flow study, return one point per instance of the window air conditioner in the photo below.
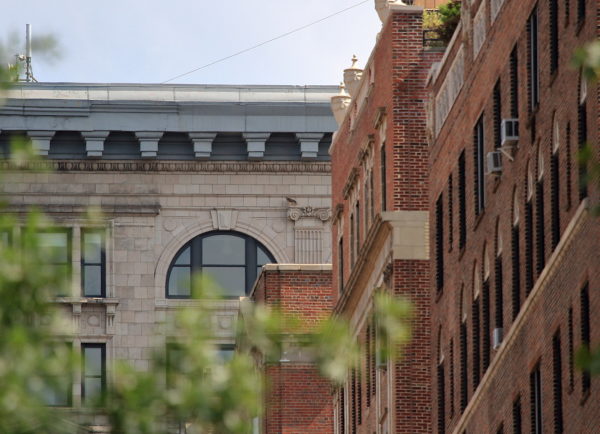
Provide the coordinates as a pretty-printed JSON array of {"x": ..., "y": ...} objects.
[
  {"x": 497, "y": 337},
  {"x": 494, "y": 162},
  {"x": 509, "y": 132}
]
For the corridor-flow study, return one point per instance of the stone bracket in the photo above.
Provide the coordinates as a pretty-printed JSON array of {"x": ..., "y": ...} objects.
[
  {"x": 41, "y": 140},
  {"x": 309, "y": 145},
  {"x": 202, "y": 144},
  {"x": 94, "y": 142},
  {"x": 149, "y": 142},
  {"x": 256, "y": 144}
]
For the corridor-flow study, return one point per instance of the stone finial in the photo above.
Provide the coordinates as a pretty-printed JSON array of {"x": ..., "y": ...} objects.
[
  {"x": 352, "y": 77},
  {"x": 340, "y": 104},
  {"x": 382, "y": 7}
]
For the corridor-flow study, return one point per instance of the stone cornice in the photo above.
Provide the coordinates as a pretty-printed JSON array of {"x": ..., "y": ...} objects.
[{"x": 171, "y": 166}]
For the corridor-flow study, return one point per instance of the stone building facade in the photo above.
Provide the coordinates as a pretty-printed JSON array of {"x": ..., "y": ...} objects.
[
  {"x": 173, "y": 169},
  {"x": 515, "y": 269}
]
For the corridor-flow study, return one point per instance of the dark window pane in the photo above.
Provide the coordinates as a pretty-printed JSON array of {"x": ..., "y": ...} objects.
[
  {"x": 179, "y": 281},
  {"x": 223, "y": 249},
  {"x": 92, "y": 247},
  {"x": 226, "y": 353},
  {"x": 93, "y": 388},
  {"x": 93, "y": 361},
  {"x": 231, "y": 280},
  {"x": 92, "y": 280},
  {"x": 261, "y": 257},
  {"x": 183, "y": 258},
  {"x": 53, "y": 246}
]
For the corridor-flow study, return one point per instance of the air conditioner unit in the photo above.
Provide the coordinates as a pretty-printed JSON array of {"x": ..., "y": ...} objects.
[
  {"x": 509, "y": 132},
  {"x": 494, "y": 162},
  {"x": 497, "y": 336}
]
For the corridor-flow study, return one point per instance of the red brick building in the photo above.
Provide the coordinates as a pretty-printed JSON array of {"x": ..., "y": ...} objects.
[
  {"x": 297, "y": 399},
  {"x": 380, "y": 223},
  {"x": 456, "y": 183},
  {"x": 515, "y": 264}
]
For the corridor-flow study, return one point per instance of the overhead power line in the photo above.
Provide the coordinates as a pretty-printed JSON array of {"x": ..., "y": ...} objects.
[{"x": 268, "y": 41}]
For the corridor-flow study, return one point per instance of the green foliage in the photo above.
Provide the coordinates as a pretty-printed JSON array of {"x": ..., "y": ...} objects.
[
  {"x": 449, "y": 16},
  {"x": 588, "y": 59},
  {"x": 588, "y": 360}
]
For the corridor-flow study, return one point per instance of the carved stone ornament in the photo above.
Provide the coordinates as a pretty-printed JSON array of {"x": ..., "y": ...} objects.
[
  {"x": 322, "y": 214},
  {"x": 340, "y": 104},
  {"x": 352, "y": 77},
  {"x": 382, "y": 7},
  {"x": 170, "y": 166}
]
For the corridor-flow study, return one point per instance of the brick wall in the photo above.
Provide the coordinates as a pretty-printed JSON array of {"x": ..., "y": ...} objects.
[
  {"x": 297, "y": 398},
  {"x": 548, "y": 142}
]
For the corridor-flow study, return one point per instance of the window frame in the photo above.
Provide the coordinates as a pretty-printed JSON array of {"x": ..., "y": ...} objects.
[
  {"x": 102, "y": 263},
  {"x": 196, "y": 262},
  {"x": 69, "y": 250},
  {"x": 102, "y": 347}
]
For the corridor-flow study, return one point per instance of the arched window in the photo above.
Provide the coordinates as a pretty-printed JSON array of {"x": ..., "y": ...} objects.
[{"x": 232, "y": 259}]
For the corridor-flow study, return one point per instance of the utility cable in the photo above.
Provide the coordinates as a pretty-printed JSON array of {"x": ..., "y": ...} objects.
[{"x": 268, "y": 41}]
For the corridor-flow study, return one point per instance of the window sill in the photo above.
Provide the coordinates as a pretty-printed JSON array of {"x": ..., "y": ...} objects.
[
  {"x": 585, "y": 397},
  {"x": 438, "y": 295},
  {"x": 478, "y": 219}
]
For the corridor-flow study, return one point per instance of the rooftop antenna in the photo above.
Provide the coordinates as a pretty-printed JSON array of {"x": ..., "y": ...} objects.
[{"x": 26, "y": 58}]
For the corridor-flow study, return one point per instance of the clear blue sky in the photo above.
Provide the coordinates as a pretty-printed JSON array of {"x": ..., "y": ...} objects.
[{"x": 150, "y": 41}]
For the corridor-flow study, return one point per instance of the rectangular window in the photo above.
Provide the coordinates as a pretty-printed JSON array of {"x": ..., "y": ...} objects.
[
  {"x": 93, "y": 263},
  {"x": 585, "y": 334},
  {"x": 569, "y": 165},
  {"x": 371, "y": 197},
  {"x": 557, "y": 383},
  {"x": 514, "y": 83},
  {"x": 582, "y": 139},
  {"x": 341, "y": 265},
  {"x": 383, "y": 179},
  {"x": 555, "y": 198},
  {"x": 464, "y": 391},
  {"x": 352, "y": 240},
  {"x": 368, "y": 364},
  {"x": 441, "y": 398},
  {"x": 553, "y": 35},
  {"x": 478, "y": 171},
  {"x": 580, "y": 11},
  {"x": 516, "y": 416},
  {"x": 374, "y": 351},
  {"x": 516, "y": 271},
  {"x": 476, "y": 344},
  {"x": 528, "y": 247},
  {"x": 55, "y": 249},
  {"x": 485, "y": 338},
  {"x": 353, "y": 400},
  {"x": 57, "y": 391},
  {"x": 498, "y": 299},
  {"x": 533, "y": 66},
  {"x": 451, "y": 379},
  {"x": 571, "y": 351},
  {"x": 93, "y": 372},
  {"x": 5, "y": 237},
  {"x": 342, "y": 412},
  {"x": 450, "y": 212},
  {"x": 439, "y": 243},
  {"x": 462, "y": 201},
  {"x": 535, "y": 390},
  {"x": 358, "y": 228},
  {"x": 540, "y": 227},
  {"x": 497, "y": 114}
]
